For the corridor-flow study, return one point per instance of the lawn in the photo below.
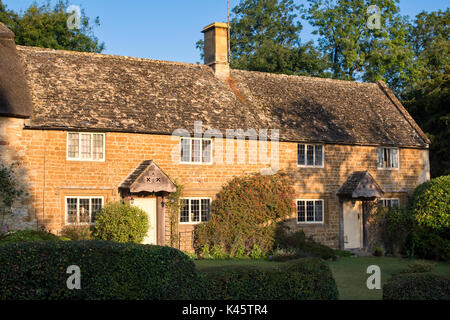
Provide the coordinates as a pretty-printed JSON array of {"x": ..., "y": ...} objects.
[{"x": 349, "y": 273}]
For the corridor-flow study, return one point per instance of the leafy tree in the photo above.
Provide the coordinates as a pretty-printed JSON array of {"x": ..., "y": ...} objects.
[
  {"x": 264, "y": 37},
  {"x": 46, "y": 26},
  {"x": 427, "y": 96},
  {"x": 356, "y": 51}
]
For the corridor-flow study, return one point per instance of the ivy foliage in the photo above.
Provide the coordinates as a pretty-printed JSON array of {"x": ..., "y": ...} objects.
[{"x": 245, "y": 214}]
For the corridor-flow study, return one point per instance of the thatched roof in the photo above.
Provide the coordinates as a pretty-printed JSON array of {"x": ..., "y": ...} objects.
[
  {"x": 15, "y": 99},
  {"x": 87, "y": 91}
]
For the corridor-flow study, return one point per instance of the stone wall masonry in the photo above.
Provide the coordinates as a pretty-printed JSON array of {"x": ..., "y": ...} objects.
[{"x": 46, "y": 188}]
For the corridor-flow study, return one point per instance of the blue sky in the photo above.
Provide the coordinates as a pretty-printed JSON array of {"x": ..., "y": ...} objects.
[{"x": 168, "y": 30}]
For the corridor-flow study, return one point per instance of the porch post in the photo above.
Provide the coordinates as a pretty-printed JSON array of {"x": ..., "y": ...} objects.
[{"x": 365, "y": 215}]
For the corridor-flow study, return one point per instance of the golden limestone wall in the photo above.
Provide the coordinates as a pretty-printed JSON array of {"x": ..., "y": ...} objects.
[{"x": 48, "y": 176}]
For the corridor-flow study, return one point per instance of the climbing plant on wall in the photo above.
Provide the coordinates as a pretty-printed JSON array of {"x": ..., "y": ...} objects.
[
  {"x": 174, "y": 205},
  {"x": 9, "y": 192}
]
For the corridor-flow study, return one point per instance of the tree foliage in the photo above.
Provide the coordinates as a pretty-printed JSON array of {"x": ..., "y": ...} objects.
[
  {"x": 46, "y": 26},
  {"x": 427, "y": 95},
  {"x": 356, "y": 51}
]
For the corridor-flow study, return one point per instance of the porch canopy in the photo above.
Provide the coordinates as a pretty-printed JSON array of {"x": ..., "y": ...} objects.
[
  {"x": 147, "y": 177},
  {"x": 360, "y": 185}
]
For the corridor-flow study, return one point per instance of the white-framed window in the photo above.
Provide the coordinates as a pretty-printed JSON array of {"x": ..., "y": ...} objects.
[
  {"x": 389, "y": 203},
  {"x": 84, "y": 146},
  {"x": 195, "y": 210},
  {"x": 196, "y": 150},
  {"x": 387, "y": 158},
  {"x": 82, "y": 210},
  {"x": 310, "y": 211},
  {"x": 310, "y": 155}
]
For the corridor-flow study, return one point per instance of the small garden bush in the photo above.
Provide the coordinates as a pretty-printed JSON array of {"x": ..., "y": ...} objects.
[
  {"x": 396, "y": 226},
  {"x": 303, "y": 279},
  {"x": 109, "y": 270},
  {"x": 299, "y": 246},
  {"x": 419, "y": 267},
  {"x": 417, "y": 286},
  {"x": 77, "y": 232},
  {"x": 121, "y": 222},
  {"x": 28, "y": 236},
  {"x": 244, "y": 216}
]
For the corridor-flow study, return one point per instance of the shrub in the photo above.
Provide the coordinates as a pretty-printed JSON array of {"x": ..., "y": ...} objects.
[
  {"x": 419, "y": 267},
  {"x": 303, "y": 247},
  {"x": 417, "y": 286},
  {"x": 121, "y": 222},
  {"x": 245, "y": 213},
  {"x": 304, "y": 279},
  {"x": 109, "y": 270},
  {"x": 431, "y": 204},
  {"x": 396, "y": 226},
  {"x": 430, "y": 238},
  {"x": 29, "y": 236},
  {"x": 77, "y": 232}
]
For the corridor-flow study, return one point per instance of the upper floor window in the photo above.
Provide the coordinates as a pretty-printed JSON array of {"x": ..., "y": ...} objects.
[
  {"x": 196, "y": 150},
  {"x": 387, "y": 158},
  {"x": 86, "y": 146},
  {"x": 309, "y": 211},
  {"x": 82, "y": 210},
  {"x": 389, "y": 203},
  {"x": 195, "y": 210},
  {"x": 310, "y": 155}
]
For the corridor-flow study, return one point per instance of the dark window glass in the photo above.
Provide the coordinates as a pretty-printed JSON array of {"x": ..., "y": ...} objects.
[
  {"x": 301, "y": 154},
  {"x": 300, "y": 211}
]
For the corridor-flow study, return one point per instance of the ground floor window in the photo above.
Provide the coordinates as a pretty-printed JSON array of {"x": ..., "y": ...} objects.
[
  {"x": 389, "y": 203},
  {"x": 82, "y": 210},
  {"x": 195, "y": 210},
  {"x": 309, "y": 211}
]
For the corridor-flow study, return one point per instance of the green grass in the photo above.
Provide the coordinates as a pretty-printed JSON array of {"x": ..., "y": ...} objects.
[{"x": 350, "y": 273}]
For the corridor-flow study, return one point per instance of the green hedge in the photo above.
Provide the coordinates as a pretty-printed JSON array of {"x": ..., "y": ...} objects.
[
  {"x": 417, "y": 286},
  {"x": 302, "y": 279},
  {"x": 37, "y": 270},
  {"x": 29, "y": 235}
]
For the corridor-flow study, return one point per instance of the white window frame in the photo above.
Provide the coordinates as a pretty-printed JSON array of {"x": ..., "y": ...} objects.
[
  {"x": 78, "y": 209},
  {"x": 200, "y": 208},
  {"x": 201, "y": 151},
  {"x": 398, "y": 158},
  {"x": 79, "y": 147},
  {"x": 387, "y": 199},
  {"x": 310, "y": 222},
  {"x": 314, "y": 157}
]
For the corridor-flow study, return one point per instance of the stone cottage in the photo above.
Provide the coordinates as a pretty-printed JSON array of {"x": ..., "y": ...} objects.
[{"x": 86, "y": 129}]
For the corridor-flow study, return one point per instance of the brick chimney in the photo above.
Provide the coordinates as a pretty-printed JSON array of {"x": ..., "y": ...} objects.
[{"x": 216, "y": 49}]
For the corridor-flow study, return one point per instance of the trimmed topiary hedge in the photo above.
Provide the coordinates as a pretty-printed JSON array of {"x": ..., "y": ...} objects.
[
  {"x": 302, "y": 279},
  {"x": 29, "y": 235},
  {"x": 417, "y": 286},
  {"x": 121, "y": 222},
  {"x": 37, "y": 270}
]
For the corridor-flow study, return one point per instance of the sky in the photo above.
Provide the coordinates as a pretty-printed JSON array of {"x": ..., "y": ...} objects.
[{"x": 168, "y": 29}]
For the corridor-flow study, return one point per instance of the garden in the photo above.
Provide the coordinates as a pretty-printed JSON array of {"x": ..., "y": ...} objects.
[{"x": 245, "y": 251}]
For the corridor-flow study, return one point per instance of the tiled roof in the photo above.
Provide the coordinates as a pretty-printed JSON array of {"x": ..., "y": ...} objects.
[{"x": 86, "y": 91}]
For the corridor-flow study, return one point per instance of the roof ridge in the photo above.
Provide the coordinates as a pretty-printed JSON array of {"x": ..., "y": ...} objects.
[
  {"x": 282, "y": 75},
  {"x": 105, "y": 55}
]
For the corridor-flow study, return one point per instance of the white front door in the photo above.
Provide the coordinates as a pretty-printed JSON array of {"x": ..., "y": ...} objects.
[
  {"x": 352, "y": 225},
  {"x": 149, "y": 206}
]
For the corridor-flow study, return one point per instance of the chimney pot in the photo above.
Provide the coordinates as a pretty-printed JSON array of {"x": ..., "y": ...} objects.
[{"x": 216, "y": 49}]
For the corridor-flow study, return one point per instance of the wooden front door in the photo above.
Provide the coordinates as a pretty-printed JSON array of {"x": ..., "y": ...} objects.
[
  {"x": 352, "y": 224},
  {"x": 149, "y": 206}
]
